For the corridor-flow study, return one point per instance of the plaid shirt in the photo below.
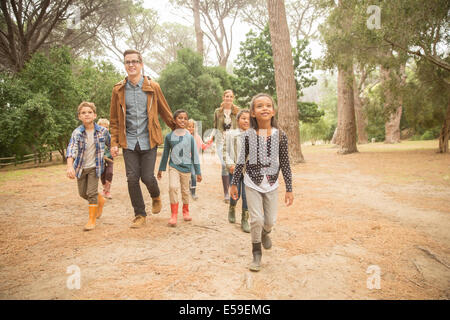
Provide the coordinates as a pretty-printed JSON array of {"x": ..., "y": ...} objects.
[{"x": 77, "y": 146}]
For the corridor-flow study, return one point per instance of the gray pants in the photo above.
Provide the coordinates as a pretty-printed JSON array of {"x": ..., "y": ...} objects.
[
  {"x": 140, "y": 165},
  {"x": 262, "y": 208},
  {"x": 88, "y": 185}
]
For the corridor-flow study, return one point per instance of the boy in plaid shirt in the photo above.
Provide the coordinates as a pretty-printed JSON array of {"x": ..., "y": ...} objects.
[{"x": 85, "y": 159}]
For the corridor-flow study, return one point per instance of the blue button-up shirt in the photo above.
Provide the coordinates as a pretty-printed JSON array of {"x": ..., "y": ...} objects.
[{"x": 136, "y": 117}]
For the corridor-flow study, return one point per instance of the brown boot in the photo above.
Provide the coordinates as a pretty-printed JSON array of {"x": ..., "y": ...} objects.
[
  {"x": 92, "y": 216},
  {"x": 173, "y": 219},
  {"x": 101, "y": 202},
  {"x": 186, "y": 216},
  {"x": 138, "y": 222},
  {"x": 156, "y": 205}
]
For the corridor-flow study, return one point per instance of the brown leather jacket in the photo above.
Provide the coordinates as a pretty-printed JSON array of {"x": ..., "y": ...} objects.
[{"x": 156, "y": 104}]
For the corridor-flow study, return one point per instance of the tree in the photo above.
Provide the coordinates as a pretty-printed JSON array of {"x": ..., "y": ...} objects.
[
  {"x": 219, "y": 17},
  {"x": 284, "y": 76},
  {"x": 197, "y": 26},
  {"x": 12, "y": 97},
  {"x": 392, "y": 80},
  {"x": 254, "y": 67},
  {"x": 169, "y": 38},
  {"x": 315, "y": 131},
  {"x": 38, "y": 105},
  {"x": 445, "y": 132},
  {"x": 94, "y": 82},
  {"x": 359, "y": 100},
  {"x": 134, "y": 27},
  {"x": 189, "y": 85},
  {"x": 425, "y": 99},
  {"x": 339, "y": 39},
  {"x": 302, "y": 17},
  {"x": 309, "y": 112},
  {"x": 418, "y": 28},
  {"x": 27, "y": 26}
]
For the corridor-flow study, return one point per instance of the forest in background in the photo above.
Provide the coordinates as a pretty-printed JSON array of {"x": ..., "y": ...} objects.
[{"x": 384, "y": 73}]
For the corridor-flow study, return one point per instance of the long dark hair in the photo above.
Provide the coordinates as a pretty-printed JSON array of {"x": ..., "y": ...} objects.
[{"x": 253, "y": 122}]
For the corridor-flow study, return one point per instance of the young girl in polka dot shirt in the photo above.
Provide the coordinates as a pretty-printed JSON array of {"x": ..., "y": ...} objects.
[{"x": 264, "y": 151}]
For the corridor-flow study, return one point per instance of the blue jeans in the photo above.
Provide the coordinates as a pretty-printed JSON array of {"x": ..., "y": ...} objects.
[
  {"x": 241, "y": 188},
  {"x": 193, "y": 178},
  {"x": 219, "y": 150}
]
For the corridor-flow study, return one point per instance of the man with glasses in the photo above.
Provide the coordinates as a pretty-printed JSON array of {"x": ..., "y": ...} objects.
[{"x": 134, "y": 126}]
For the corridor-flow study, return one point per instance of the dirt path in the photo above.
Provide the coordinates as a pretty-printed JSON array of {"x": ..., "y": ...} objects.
[{"x": 380, "y": 208}]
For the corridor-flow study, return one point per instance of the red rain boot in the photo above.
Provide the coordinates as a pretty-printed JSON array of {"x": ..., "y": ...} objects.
[
  {"x": 186, "y": 216},
  {"x": 173, "y": 219}
]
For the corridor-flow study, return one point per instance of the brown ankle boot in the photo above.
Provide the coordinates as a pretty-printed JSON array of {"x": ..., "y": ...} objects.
[
  {"x": 101, "y": 202},
  {"x": 156, "y": 205},
  {"x": 173, "y": 219},
  {"x": 186, "y": 216},
  {"x": 92, "y": 216}
]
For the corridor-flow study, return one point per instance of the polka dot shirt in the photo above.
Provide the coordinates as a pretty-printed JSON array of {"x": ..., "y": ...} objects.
[{"x": 261, "y": 157}]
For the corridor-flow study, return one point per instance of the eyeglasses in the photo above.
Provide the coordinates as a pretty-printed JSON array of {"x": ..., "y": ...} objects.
[{"x": 128, "y": 62}]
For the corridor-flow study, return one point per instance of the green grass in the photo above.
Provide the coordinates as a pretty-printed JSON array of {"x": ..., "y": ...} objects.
[
  {"x": 20, "y": 174},
  {"x": 378, "y": 147}
]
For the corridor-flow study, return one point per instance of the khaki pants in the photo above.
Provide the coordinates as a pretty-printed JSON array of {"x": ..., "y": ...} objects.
[
  {"x": 88, "y": 185},
  {"x": 178, "y": 180},
  {"x": 262, "y": 209}
]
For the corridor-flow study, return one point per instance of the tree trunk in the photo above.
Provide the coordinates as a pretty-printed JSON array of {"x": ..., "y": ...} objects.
[
  {"x": 334, "y": 138},
  {"x": 392, "y": 126},
  {"x": 393, "y": 103},
  {"x": 284, "y": 77},
  {"x": 445, "y": 132},
  {"x": 198, "y": 29},
  {"x": 346, "y": 134},
  {"x": 361, "y": 118}
]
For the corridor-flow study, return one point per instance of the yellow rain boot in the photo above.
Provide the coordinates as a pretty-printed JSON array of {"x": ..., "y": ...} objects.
[
  {"x": 101, "y": 202},
  {"x": 92, "y": 216}
]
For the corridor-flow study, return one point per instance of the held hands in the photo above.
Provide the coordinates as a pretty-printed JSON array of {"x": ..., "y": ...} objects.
[
  {"x": 159, "y": 175},
  {"x": 233, "y": 192},
  {"x": 114, "y": 151},
  {"x": 231, "y": 169},
  {"x": 288, "y": 198}
]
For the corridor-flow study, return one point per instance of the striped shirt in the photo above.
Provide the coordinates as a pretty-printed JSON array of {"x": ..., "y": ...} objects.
[{"x": 77, "y": 147}]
